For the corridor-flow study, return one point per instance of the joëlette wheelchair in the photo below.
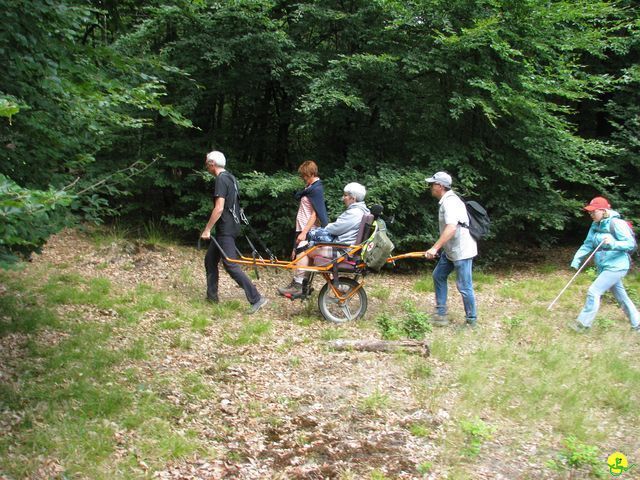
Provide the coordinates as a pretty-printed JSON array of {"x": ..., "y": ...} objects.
[{"x": 342, "y": 298}]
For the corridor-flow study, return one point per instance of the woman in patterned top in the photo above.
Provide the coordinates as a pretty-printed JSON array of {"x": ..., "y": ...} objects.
[{"x": 312, "y": 211}]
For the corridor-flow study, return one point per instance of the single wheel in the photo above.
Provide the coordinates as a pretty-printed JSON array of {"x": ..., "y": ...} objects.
[{"x": 339, "y": 311}]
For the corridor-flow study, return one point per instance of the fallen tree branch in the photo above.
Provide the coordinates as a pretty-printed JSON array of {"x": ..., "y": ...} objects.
[
  {"x": 411, "y": 346},
  {"x": 136, "y": 168}
]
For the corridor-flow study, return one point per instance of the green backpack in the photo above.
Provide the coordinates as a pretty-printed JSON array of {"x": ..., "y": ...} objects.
[{"x": 378, "y": 247}]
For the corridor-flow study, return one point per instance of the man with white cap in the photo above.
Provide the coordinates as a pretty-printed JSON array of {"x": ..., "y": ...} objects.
[
  {"x": 458, "y": 250},
  {"x": 226, "y": 218}
]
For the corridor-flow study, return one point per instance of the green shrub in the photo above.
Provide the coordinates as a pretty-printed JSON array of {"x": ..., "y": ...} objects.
[
  {"x": 415, "y": 323},
  {"x": 476, "y": 433},
  {"x": 576, "y": 455},
  {"x": 388, "y": 326}
]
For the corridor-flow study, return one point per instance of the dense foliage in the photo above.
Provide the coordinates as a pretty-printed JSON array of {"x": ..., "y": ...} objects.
[
  {"x": 68, "y": 96},
  {"x": 531, "y": 104}
]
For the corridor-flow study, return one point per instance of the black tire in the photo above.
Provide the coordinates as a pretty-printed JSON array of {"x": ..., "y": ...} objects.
[{"x": 351, "y": 309}]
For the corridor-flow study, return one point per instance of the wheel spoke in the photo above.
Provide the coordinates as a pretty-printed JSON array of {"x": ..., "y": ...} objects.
[{"x": 347, "y": 311}]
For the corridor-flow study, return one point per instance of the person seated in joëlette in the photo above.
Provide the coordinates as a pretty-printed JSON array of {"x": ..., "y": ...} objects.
[{"x": 343, "y": 231}]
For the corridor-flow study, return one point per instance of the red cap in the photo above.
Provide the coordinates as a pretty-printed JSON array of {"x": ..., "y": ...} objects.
[{"x": 598, "y": 203}]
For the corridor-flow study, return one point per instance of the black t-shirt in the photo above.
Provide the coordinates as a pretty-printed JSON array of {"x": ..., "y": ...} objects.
[{"x": 224, "y": 187}]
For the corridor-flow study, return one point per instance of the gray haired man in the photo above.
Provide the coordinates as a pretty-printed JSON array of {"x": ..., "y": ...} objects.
[{"x": 225, "y": 217}]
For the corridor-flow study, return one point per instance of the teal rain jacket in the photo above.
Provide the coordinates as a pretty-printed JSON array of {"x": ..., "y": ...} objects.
[{"x": 614, "y": 256}]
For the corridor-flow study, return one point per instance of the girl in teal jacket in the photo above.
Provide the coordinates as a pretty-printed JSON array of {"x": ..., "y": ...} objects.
[{"x": 612, "y": 262}]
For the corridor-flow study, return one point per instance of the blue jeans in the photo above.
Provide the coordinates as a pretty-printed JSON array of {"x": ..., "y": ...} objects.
[
  {"x": 608, "y": 280},
  {"x": 464, "y": 283}
]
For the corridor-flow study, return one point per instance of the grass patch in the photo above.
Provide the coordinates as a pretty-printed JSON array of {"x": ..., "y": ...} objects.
[
  {"x": 116, "y": 232},
  {"x": 552, "y": 379},
  {"x": 419, "y": 369},
  {"x": 513, "y": 322},
  {"x": 249, "y": 333},
  {"x": 445, "y": 350},
  {"x": 424, "y": 285},
  {"x": 374, "y": 404},
  {"x": 576, "y": 456},
  {"x": 157, "y": 234},
  {"x": 21, "y": 313},
  {"x": 144, "y": 298},
  {"x": 194, "y": 385},
  {"x": 199, "y": 322},
  {"x": 137, "y": 350},
  {"x": 172, "y": 324},
  {"x": 329, "y": 334},
  {"x": 532, "y": 290},
  {"x": 381, "y": 293},
  {"x": 304, "y": 320},
  {"x": 424, "y": 467},
  {"x": 71, "y": 397},
  {"x": 160, "y": 441},
  {"x": 420, "y": 430},
  {"x": 482, "y": 280},
  {"x": 72, "y": 289},
  {"x": 181, "y": 342},
  {"x": 546, "y": 268}
]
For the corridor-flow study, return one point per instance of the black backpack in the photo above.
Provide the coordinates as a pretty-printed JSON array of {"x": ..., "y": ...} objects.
[{"x": 479, "y": 221}]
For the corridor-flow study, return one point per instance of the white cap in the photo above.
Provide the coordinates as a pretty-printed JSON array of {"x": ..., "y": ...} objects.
[
  {"x": 217, "y": 158},
  {"x": 442, "y": 178}
]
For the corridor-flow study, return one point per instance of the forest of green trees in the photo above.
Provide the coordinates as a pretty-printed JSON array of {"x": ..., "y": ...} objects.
[{"x": 108, "y": 108}]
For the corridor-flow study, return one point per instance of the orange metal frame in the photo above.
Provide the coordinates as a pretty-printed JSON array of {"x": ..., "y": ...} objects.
[
  {"x": 324, "y": 270},
  {"x": 348, "y": 251}
]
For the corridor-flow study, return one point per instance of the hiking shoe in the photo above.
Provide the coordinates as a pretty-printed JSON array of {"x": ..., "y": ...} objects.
[
  {"x": 212, "y": 299},
  {"x": 578, "y": 327},
  {"x": 439, "y": 320},
  {"x": 473, "y": 323},
  {"x": 294, "y": 288},
  {"x": 258, "y": 305}
]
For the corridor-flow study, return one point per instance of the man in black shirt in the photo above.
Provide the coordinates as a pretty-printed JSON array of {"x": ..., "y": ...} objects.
[{"x": 226, "y": 217}]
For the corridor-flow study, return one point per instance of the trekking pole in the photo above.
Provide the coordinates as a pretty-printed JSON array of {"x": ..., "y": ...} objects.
[{"x": 574, "y": 277}]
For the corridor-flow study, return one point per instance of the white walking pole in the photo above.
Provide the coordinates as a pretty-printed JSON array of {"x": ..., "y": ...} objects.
[{"x": 574, "y": 277}]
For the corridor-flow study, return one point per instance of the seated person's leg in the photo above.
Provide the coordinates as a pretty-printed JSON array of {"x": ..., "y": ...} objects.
[
  {"x": 295, "y": 287},
  {"x": 326, "y": 252}
]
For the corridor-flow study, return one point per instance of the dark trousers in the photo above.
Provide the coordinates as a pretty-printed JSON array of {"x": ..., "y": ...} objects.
[{"x": 211, "y": 261}]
